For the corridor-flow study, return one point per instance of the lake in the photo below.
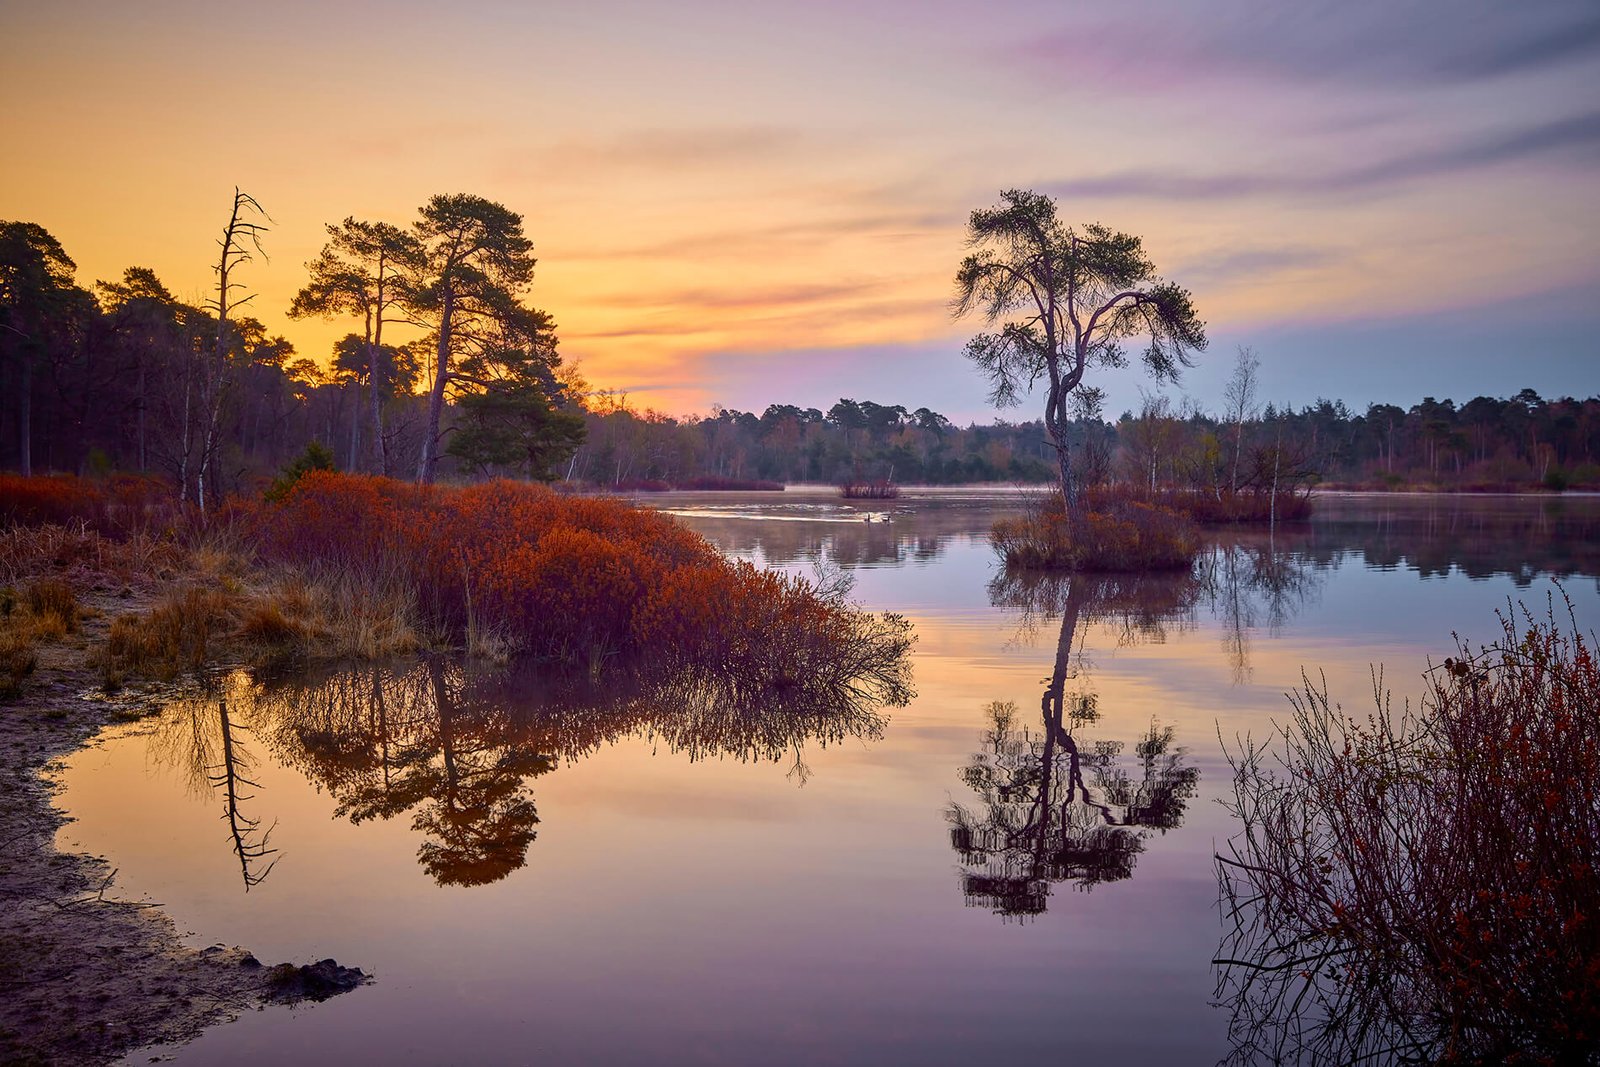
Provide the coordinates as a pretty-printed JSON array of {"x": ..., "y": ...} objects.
[{"x": 1018, "y": 862}]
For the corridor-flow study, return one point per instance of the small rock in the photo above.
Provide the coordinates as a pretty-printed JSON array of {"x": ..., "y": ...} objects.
[{"x": 313, "y": 981}]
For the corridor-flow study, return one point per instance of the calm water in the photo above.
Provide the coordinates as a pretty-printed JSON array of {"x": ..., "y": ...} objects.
[{"x": 1017, "y": 863}]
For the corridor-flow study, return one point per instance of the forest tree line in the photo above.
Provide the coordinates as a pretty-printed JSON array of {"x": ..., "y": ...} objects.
[{"x": 123, "y": 376}]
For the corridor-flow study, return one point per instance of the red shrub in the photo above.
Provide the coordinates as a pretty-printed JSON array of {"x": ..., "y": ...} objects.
[
  {"x": 557, "y": 576},
  {"x": 117, "y": 505}
]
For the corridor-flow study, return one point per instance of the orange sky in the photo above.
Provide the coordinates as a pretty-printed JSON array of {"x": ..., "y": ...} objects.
[{"x": 738, "y": 203}]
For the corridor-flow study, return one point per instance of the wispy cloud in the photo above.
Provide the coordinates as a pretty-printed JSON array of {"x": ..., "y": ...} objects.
[
  {"x": 824, "y": 227},
  {"x": 1218, "y": 267},
  {"x": 1576, "y": 139},
  {"x": 742, "y": 298},
  {"x": 1422, "y": 42}
]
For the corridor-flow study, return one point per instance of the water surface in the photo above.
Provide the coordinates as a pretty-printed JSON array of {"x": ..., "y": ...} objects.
[{"x": 1016, "y": 863}]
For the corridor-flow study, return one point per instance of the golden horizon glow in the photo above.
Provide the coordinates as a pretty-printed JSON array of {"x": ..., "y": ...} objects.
[{"x": 715, "y": 194}]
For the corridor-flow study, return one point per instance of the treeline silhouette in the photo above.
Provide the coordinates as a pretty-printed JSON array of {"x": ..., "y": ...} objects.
[
  {"x": 1486, "y": 443},
  {"x": 123, "y": 376}
]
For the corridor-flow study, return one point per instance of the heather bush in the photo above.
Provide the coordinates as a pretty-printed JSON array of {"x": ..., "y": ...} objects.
[
  {"x": 117, "y": 505},
  {"x": 574, "y": 579},
  {"x": 1421, "y": 885},
  {"x": 1120, "y": 535}
]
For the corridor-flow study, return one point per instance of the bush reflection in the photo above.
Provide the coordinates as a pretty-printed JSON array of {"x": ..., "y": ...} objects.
[{"x": 456, "y": 745}]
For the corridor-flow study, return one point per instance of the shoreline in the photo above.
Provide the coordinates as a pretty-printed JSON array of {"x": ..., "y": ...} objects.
[{"x": 84, "y": 977}]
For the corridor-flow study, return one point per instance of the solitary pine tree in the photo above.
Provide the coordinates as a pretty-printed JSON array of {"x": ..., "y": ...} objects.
[
  {"x": 474, "y": 265},
  {"x": 1064, "y": 300}
]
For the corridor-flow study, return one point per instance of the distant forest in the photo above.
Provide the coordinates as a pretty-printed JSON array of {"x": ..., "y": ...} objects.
[{"x": 123, "y": 377}]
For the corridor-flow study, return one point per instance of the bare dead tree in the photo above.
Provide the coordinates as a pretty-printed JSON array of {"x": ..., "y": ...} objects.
[{"x": 239, "y": 237}]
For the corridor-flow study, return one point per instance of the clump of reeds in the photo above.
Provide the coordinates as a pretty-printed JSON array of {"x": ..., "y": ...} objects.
[
  {"x": 18, "y": 659},
  {"x": 879, "y": 490},
  {"x": 53, "y": 607},
  {"x": 1120, "y": 535},
  {"x": 44, "y": 610},
  {"x": 178, "y": 633},
  {"x": 1420, "y": 885}
]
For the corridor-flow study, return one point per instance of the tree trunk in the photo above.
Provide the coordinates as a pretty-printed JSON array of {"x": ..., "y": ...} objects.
[
  {"x": 25, "y": 419},
  {"x": 376, "y": 376},
  {"x": 355, "y": 429},
  {"x": 441, "y": 373}
]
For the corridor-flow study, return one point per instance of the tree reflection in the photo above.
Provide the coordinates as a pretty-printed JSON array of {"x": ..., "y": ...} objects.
[
  {"x": 1251, "y": 585},
  {"x": 204, "y": 740},
  {"x": 1059, "y": 806},
  {"x": 455, "y": 744}
]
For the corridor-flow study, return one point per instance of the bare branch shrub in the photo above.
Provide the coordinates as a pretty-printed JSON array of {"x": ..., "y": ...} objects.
[{"x": 1422, "y": 885}]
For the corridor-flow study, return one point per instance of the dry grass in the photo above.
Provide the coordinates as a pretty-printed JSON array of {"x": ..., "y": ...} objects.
[
  {"x": 178, "y": 633},
  {"x": 44, "y": 611},
  {"x": 337, "y": 617},
  {"x": 140, "y": 559},
  {"x": 18, "y": 659},
  {"x": 53, "y": 605}
]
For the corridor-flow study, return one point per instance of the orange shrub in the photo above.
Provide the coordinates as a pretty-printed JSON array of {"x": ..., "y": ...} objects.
[
  {"x": 561, "y": 577},
  {"x": 118, "y": 505},
  {"x": 35, "y": 501}
]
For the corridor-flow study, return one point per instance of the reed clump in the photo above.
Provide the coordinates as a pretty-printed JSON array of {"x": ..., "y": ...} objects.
[
  {"x": 1420, "y": 885},
  {"x": 178, "y": 633},
  {"x": 862, "y": 490},
  {"x": 42, "y": 612},
  {"x": 52, "y": 606},
  {"x": 1121, "y": 534}
]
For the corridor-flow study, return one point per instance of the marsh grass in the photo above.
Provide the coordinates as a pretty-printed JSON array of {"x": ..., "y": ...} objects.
[
  {"x": 178, "y": 633},
  {"x": 42, "y": 612},
  {"x": 880, "y": 490}
]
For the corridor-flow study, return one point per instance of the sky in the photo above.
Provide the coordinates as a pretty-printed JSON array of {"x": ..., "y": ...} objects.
[{"x": 744, "y": 203}]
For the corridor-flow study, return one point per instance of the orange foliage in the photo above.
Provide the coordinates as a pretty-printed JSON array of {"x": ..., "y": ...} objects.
[
  {"x": 562, "y": 577},
  {"x": 120, "y": 504}
]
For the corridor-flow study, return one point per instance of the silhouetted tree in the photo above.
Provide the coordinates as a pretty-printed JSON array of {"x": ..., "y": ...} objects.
[
  {"x": 1065, "y": 301},
  {"x": 363, "y": 270},
  {"x": 473, "y": 266},
  {"x": 239, "y": 236}
]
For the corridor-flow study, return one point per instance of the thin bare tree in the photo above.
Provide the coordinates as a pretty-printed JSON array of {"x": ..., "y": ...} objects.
[{"x": 239, "y": 237}]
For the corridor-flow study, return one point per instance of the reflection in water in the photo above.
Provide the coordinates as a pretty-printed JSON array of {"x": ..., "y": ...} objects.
[
  {"x": 456, "y": 744},
  {"x": 841, "y": 534},
  {"x": 1480, "y": 536},
  {"x": 1056, "y": 807},
  {"x": 1253, "y": 585},
  {"x": 204, "y": 741}
]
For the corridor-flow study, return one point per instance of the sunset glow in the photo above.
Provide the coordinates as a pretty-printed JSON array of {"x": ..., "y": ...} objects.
[{"x": 750, "y": 204}]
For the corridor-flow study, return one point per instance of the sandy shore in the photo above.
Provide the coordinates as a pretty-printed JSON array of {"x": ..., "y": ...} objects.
[{"x": 85, "y": 978}]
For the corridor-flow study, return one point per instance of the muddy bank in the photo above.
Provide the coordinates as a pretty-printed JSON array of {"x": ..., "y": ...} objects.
[{"x": 84, "y": 977}]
